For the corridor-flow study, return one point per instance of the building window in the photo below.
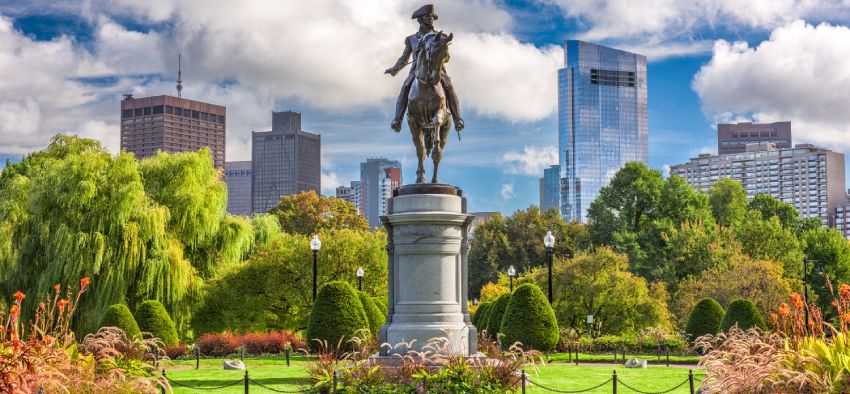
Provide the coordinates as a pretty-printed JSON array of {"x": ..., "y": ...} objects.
[
  {"x": 147, "y": 110},
  {"x": 137, "y": 112},
  {"x": 169, "y": 109},
  {"x": 220, "y": 118},
  {"x": 612, "y": 78},
  {"x": 157, "y": 110},
  {"x": 127, "y": 113},
  {"x": 196, "y": 115}
]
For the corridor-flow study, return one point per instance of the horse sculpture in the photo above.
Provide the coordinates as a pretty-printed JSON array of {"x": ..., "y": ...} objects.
[{"x": 428, "y": 115}]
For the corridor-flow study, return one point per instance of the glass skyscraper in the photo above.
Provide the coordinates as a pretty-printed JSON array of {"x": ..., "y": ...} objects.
[{"x": 602, "y": 120}]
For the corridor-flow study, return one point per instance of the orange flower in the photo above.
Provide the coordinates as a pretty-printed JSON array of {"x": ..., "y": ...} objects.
[
  {"x": 844, "y": 289},
  {"x": 774, "y": 317},
  {"x": 835, "y": 303},
  {"x": 845, "y": 317},
  {"x": 62, "y": 304},
  {"x": 13, "y": 310},
  {"x": 796, "y": 300},
  {"x": 19, "y": 296},
  {"x": 784, "y": 310},
  {"x": 41, "y": 305},
  {"x": 84, "y": 282},
  {"x": 57, "y": 287}
]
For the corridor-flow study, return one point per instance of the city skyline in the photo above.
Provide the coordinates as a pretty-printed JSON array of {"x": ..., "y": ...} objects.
[{"x": 700, "y": 72}]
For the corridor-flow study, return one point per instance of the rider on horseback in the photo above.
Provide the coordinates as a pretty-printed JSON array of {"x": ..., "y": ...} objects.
[{"x": 426, "y": 16}]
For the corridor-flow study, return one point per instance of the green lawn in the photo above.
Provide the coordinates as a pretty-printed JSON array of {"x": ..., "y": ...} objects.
[{"x": 275, "y": 374}]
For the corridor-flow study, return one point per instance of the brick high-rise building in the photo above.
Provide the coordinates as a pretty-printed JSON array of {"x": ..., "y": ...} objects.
[
  {"x": 237, "y": 175},
  {"x": 734, "y": 138},
  {"x": 172, "y": 124},
  {"x": 285, "y": 161}
]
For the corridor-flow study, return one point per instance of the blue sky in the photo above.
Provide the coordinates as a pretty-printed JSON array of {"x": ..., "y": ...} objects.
[{"x": 710, "y": 61}]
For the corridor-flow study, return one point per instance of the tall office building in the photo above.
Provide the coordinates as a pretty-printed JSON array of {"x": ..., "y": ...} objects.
[
  {"x": 237, "y": 175},
  {"x": 734, "y": 138},
  {"x": 350, "y": 194},
  {"x": 602, "y": 121},
  {"x": 842, "y": 218},
  {"x": 285, "y": 161},
  {"x": 808, "y": 177},
  {"x": 377, "y": 179},
  {"x": 172, "y": 124},
  {"x": 550, "y": 188}
]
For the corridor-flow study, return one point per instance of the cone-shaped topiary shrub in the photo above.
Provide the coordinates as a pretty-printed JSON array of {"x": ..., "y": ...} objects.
[
  {"x": 381, "y": 303},
  {"x": 153, "y": 318},
  {"x": 119, "y": 315},
  {"x": 497, "y": 311},
  {"x": 704, "y": 319},
  {"x": 481, "y": 316},
  {"x": 530, "y": 320},
  {"x": 744, "y": 313},
  {"x": 337, "y": 315},
  {"x": 373, "y": 313}
]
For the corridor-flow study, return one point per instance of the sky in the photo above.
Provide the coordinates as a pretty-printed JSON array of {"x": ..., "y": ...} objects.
[{"x": 66, "y": 65}]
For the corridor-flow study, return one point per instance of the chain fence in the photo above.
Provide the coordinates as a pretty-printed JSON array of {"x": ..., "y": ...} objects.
[{"x": 614, "y": 381}]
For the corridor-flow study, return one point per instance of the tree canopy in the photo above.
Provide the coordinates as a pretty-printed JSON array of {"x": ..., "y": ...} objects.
[{"x": 310, "y": 213}]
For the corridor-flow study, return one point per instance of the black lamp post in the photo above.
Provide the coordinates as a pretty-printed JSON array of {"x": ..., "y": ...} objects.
[
  {"x": 549, "y": 243},
  {"x": 819, "y": 268},
  {"x": 315, "y": 245},
  {"x": 511, "y": 274},
  {"x": 360, "y": 278}
]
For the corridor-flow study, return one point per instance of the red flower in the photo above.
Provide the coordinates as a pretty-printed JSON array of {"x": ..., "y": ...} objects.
[
  {"x": 784, "y": 310},
  {"x": 844, "y": 289},
  {"x": 774, "y": 317},
  {"x": 84, "y": 282},
  {"x": 19, "y": 296},
  {"x": 845, "y": 317},
  {"x": 13, "y": 310},
  {"x": 797, "y": 300},
  {"x": 62, "y": 304},
  {"x": 57, "y": 287}
]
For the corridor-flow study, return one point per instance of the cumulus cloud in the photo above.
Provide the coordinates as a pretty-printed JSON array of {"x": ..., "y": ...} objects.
[
  {"x": 330, "y": 180},
  {"x": 507, "y": 191},
  {"x": 800, "y": 74},
  {"x": 531, "y": 161}
]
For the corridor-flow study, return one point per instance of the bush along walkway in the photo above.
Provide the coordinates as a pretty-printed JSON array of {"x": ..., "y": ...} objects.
[
  {"x": 661, "y": 357},
  {"x": 615, "y": 383}
]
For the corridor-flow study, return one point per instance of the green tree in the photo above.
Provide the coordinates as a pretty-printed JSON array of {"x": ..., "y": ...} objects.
[
  {"x": 310, "y": 213},
  {"x": 763, "y": 282},
  {"x": 828, "y": 249},
  {"x": 728, "y": 202},
  {"x": 705, "y": 318},
  {"x": 768, "y": 206},
  {"x": 337, "y": 317},
  {"x": 768, "y": 240},
  {"x": 119, "y": 315},
  {"x": 600, "y": 284},
  {"x": 529, "y": 320},
  {"x": 695, "y": 247},
  {"x": 153, "y": 318},
  {"x": 626, "y": 204},
  {"x": 273, "y": 289},
  {"x": 743, "y": 313}
]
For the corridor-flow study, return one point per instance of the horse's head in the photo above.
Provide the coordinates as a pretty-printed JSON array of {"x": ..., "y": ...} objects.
[{"x": 433, "y": 55}]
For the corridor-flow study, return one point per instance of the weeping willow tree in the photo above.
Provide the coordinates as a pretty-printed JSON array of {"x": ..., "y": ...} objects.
[{"x": 150, "y": 230}]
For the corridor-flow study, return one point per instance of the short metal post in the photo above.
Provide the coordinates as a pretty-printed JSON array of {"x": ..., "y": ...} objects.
[
  {"x": 197, "y": 358},
  {"x": 242, "y": 354},
  {"x": 691, "y": 379},
  {"x": 615, "y": 355},
  {"x": 164, "y": 380},
  {"x": 334, "y": 382},
  {"x": 614, "y": 379},
  {"x": 523, "y": 381},
  {"x": 287, "y": 355},
  {"x": 246, "y": 381}
]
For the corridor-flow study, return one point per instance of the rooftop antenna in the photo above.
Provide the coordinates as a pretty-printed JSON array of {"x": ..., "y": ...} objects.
[{"x": 179, "y": 75}]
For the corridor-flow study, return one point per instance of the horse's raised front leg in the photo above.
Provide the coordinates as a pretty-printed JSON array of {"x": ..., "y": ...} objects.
[{"x": 419, "y": 142}]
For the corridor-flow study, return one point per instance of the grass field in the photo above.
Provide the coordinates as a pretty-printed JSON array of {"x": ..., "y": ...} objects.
[{"x": 274, "y": 373}]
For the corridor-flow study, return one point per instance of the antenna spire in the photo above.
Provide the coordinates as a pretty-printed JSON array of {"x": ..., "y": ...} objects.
[{"x": 179, "y": 75}]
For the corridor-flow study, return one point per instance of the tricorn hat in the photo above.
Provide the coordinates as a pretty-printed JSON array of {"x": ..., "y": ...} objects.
[{"x": 427, "y": 9}]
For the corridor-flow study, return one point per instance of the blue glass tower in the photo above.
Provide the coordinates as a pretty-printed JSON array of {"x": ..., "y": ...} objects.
[{"x": 602, "y": 121}]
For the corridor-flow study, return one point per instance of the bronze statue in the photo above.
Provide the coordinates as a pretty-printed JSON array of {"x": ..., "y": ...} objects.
[{"x": 432, "y": 99}]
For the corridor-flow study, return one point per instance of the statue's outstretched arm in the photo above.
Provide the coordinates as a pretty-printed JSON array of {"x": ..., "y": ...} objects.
[{"x": 402, "y": 61}]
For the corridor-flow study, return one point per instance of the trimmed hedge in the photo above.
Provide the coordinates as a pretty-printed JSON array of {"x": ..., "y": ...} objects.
[
  {"x": 373, "y": 313},
  {"x": 481, "y": 315},
  {"x": 381, "y": 303},
  {"x": 119, "y": 315},
  {"x": 631, "y": 344},
  {"x": 530, "y": 320},
  {"x": 337, "y": 316},
  {"x": 494, "y": 320},
  {"x": 704, "y": 319},
  {"x": 744, "y": 313},
  {"x": 153, "y": 318}
]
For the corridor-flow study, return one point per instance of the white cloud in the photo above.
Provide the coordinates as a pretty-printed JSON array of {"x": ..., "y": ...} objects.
[
  {"x": 665, "y": 170},
  {"x": 531, "y": 161},
  {"x": 330, "y": 181},
  {"x": 801, "y": 74},
  {"x": 507, "y": 191}
]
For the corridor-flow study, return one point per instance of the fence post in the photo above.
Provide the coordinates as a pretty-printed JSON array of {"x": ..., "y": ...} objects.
[
  {"x": 667, "y": 350},
  {"x": 691, "y": 379},
  {"x": 246, "y": 381},
  {"x": 287, "y": 355},
  {"x": 614, "y": 379},
  {"x": 164, "y": 380},
  {"x": 523, "y": 381},
  {"x": 576, "y": 356},
  {"x": 155, "y": 361},
  {"x": 197, "y": 358},
  {"x": 334, "y": 381}
]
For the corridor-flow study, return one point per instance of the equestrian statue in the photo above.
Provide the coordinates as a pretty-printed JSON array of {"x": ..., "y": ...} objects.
[{"x": 427, "y": 94}]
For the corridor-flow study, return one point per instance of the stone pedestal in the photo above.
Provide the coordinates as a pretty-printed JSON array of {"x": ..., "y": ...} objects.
[{"x": 427, "y": 228}]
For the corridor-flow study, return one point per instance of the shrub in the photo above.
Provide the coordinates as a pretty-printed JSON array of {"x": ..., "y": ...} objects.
[
  {"x": 381, "y": 303},
  {"x": 177, "y": 351},
  {"x": 530, "y": 320},
  {"x": 153, "y": 318},
  {"x": 704, "y": 319},
  {"x": 744, "y": 313},
  {"x": 373, "y": 313},
  {"x": 336, "y": 317},
  {"x": 479, "y": 318},
  {"x": 497, "y": 311},
  {"x": 119, "y": 315},
  {"x": 266, "y": 343},
  {"x": 218, "y": 345}
]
